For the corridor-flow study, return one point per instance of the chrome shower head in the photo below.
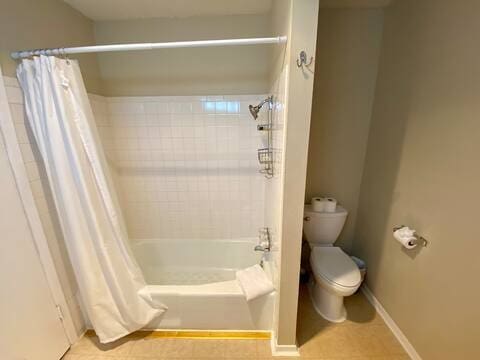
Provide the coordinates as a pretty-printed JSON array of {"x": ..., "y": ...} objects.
[{"x": 254, "y": 110}]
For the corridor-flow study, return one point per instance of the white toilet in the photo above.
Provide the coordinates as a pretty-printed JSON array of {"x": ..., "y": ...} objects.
[{"x": 335, "y": 273}]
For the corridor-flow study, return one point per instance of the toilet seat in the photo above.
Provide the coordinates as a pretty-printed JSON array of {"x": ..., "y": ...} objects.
[{"x": 335, "y": 267}]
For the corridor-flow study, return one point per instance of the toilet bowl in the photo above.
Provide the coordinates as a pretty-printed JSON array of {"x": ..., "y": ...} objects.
[{"x": 335, "y": 275}]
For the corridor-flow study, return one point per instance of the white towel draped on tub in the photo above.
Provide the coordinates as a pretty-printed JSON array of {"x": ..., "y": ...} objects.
[
  {"x": 254, "y": 282},
  {"x": 111, "y": 284}
]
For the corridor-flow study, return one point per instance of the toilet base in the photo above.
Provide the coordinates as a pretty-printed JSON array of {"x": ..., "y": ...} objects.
[{"x": 326, "y": 304}]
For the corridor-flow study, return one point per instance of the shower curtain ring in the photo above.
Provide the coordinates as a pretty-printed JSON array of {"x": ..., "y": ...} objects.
[{"x": 64, "y": 55}]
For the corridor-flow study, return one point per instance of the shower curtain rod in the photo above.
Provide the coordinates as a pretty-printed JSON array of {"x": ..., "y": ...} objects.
[{"x": 147, "y": 46}]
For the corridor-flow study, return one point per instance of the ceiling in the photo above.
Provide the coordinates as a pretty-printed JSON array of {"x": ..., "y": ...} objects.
[{"x": 99, "y": 10}]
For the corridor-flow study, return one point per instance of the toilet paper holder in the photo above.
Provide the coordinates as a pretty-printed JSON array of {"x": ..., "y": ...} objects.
[{"x": 419, "y": 240}]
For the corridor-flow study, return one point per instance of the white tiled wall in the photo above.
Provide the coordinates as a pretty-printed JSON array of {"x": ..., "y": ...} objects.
[
  {"x": 100, "y": 111},
  {"x": 186, "y": 166},
  {"x": 43, "y": 200}
]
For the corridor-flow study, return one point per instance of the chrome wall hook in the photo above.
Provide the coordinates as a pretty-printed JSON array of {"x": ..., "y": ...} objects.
[{"x": 302, "y": 59}]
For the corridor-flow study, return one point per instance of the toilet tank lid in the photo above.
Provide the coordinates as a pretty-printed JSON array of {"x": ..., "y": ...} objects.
[
  {"x": 331, "y": 263},
  {"x": 339, "y": 211}
]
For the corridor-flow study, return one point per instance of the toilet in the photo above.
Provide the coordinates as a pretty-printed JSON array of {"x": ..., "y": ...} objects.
[{"x": 335, "y": 275}]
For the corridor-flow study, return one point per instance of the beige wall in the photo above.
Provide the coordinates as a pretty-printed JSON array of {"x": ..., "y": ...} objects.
[
  {"x": 30, "y": 24},
  {"x": 300, "y": 25},
  {"x": 422, "y": 169},
  {"x": 193, "y": 71},
  {"x": 348, "y": 47},
  {"x": 43, "y": 201}
]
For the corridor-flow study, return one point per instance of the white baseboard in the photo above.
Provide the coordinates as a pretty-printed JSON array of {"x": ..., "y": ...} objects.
[
  {"x": 283, "y": 350},
  {"x": 402, "y": 339}
]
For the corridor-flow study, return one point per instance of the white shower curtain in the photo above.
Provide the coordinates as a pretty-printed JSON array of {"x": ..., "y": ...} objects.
[{"x": 111, "y": 284}]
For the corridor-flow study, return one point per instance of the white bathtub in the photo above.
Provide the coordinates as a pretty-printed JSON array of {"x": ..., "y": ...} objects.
[{"x": 196, "y": 280}]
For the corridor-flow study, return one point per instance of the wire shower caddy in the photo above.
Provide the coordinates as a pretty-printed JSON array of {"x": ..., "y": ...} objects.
[{"x": 265, "y": 155}]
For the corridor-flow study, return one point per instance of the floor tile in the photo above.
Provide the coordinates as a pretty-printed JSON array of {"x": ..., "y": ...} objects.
[
  {"x": 363, "y": 335},
  {"x": 71, "y": 356},
  {"x": 241, "y": 349},
  {"x": 146, "y": 347},
  {"x": 92, "y": 346},
  {"x": 209, "y": 349},
  {"x": 263, "y": 349}
]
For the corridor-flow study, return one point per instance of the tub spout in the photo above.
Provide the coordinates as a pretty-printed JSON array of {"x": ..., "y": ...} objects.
[{"x": 262, "y": 248}]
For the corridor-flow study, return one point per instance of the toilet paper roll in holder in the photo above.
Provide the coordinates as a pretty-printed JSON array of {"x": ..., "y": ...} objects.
[{"x": 419, "y": 240}]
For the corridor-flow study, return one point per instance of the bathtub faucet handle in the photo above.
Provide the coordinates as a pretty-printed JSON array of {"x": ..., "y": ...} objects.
[{"x": 264, "y": 240}]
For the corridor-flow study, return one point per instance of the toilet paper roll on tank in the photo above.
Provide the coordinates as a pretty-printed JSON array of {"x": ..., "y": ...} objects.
[{"x": 324, "y": 204}]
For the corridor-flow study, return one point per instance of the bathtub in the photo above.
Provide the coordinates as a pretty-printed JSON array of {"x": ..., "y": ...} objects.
[{"x": 195, "y": 278}]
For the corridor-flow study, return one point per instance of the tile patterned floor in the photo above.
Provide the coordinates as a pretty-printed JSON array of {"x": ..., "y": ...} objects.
[{"x": 364, "y": 336}]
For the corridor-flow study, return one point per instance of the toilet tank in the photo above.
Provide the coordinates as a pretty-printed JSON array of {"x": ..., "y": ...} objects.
[{"x": 323, "y": 228}]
